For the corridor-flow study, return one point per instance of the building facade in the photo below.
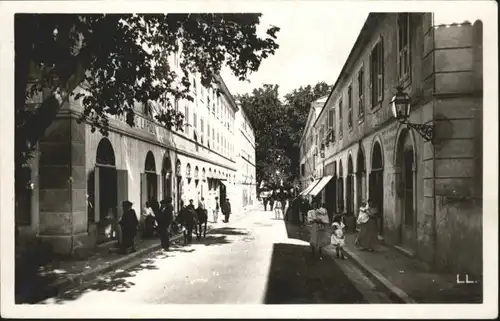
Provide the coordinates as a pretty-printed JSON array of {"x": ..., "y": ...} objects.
[
  {"x": 308, "y": 146},
  {"x": 79, "y": 178},
  {"x": 246, "y": 185},
  {"x": 429, "y": 193}
]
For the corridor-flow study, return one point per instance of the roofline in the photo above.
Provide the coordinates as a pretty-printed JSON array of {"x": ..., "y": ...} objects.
[
  {"x": 227, "y": 92},
  {"x": 372, "y": 18},
  {"x": 308, "y": 122}
]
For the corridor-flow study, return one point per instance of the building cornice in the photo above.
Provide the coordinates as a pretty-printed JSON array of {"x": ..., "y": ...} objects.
[{"x": 114, "y": 127}]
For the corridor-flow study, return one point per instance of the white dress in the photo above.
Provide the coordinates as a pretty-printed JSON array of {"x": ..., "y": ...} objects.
[{"x": 337, "y": 238}]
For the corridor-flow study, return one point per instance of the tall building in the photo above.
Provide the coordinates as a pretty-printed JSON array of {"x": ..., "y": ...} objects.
[
  {"x": 428, "y": 192},
  {"x": 79, "y": 178}
]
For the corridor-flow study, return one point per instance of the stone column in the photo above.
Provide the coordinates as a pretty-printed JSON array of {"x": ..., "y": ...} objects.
[{"x": 63, "y": 185}]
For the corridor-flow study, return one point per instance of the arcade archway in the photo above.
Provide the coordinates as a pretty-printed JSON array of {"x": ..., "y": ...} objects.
[
  {"x": 166, "y": 174},
  {"x": 340, "y": 189},
  {"x": 406, "y": 187},
  {"x": 151, "y": 180},
  {"x": 377, "y": 182},
  {"x": 103, "y": 193},
  {"x": 360, "y": 178},
  {"x": 350, "y": 186}
]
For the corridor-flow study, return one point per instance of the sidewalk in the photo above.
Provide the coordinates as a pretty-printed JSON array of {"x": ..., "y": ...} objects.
[
  {"x": 409, "y": 279},
  {"x": 405, "y": 279},
  {"x": 59, "y": 276}
]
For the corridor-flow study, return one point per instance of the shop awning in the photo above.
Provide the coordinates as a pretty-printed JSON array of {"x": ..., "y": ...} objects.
[
  {"x": 320, "y": 186},
  {"x": 310, "y": 187}
]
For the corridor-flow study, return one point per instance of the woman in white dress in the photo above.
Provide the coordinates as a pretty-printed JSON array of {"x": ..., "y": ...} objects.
[
  {"x": 278, "y": 211},
  {"x": 318, "y": 225}
]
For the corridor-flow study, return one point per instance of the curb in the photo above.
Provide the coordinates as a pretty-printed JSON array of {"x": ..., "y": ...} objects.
[
  {"x": 68, "y": 283},
  {"x": 396, "y": 292}
]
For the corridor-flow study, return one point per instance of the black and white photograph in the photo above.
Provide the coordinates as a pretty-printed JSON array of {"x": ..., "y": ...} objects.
[{"x": 269, "y": 159}]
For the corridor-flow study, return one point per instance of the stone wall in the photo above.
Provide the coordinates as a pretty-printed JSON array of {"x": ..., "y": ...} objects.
[{"x": 457, "y": 147}]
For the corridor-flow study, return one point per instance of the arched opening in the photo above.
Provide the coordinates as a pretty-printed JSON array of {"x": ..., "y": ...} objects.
[
  {"x": 166, "y": 174},
  {"x": 377, "y": 183},
  {"x": 151, "y": 180},
  {"x": 360, "y": 178},
  {"x": 179, "y": 186},
  {"x": 340, "y": 189},
  {"x": 406, "y": 187},
  {"x": 350, "y": 186},
  {"x": 103, "y": 193},
  {"x": 331, "y": 191}
]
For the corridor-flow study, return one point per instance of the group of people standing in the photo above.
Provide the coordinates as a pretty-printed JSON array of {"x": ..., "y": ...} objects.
[
  {"x": 326, "y": 228},
  {"x": 278, "y": 202},
  {"x": 160, "y": 220}
]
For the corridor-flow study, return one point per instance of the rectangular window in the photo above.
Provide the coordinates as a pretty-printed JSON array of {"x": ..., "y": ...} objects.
[
  {"x": 330, "y": 118},
  {"x": 361, "y": 107},
  {"x": 202, "y": 129},
  {"x": 186, "y": 119},
  {"x": 340, "y": 118},
  {"x": 377, "y": 73},
  {"x": 333, "y": 126},
  {"x": 404, "y": 66},
  {"x": 349, "y": 111}
]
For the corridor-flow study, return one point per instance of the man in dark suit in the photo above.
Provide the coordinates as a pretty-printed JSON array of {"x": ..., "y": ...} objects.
[
  {"x": 165, "y": 219},
  {"x": 226, "y": 210}
]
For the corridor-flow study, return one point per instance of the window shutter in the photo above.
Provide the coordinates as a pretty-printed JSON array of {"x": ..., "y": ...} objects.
[{"x": 381, "y": 69}]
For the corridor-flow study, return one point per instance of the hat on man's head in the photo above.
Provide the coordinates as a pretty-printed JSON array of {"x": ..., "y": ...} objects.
[{"x": 127, "y": 203}]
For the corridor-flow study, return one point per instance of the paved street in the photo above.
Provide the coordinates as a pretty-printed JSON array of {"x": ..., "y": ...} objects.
[{"x": 251, "y": 260}]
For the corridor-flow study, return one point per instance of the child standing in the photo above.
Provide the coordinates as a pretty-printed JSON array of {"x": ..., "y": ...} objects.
[{"x": 338, "y": 238}]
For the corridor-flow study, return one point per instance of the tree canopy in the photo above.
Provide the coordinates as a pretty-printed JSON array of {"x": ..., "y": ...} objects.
[
  {"x": 119, "y": 59},
  {"x": 278, "y": 128}
]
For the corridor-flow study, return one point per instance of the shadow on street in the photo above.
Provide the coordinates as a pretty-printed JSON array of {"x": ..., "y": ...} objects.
[
  {"x": 119, "y": 281},
  {"x": 296, "y": 278}
]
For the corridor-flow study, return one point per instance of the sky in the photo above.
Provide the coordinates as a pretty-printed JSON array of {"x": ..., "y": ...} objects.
[
  {"x": 315, "y": 41},
  {"x": 312, "y": 48}
]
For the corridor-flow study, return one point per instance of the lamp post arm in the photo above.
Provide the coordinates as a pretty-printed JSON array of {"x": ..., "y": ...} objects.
[{"x": 426, "y": 131}]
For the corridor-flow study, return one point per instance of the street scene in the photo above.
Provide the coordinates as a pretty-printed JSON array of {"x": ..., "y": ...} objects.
[{"x": 247, "y": 159}]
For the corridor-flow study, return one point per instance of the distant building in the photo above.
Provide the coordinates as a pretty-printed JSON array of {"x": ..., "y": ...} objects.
[
  {"x": 308, "y": 146},
  {"x": 429, "y": 194},
  {"x": 79, "y": 179}
]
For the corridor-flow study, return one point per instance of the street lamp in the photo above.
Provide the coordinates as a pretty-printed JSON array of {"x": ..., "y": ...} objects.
[{"x": 400, "y": 106}]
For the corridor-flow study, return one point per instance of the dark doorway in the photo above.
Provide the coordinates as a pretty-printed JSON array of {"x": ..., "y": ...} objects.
[
  {"x": 406, "y": 196},
  {"x": 340, "y": 189},
  {"x": 166, "y": 175},
  {"x": 151, "y": 178},
  {"x": 222, "y": 192},
  {"x": 377, "y": 184},
  {"x": 105, "y": 193},
  {"x": 360, "y": 179},
  {"x": 350, "y": 186}
]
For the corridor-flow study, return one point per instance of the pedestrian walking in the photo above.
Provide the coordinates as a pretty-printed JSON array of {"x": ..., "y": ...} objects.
[
  {"x": 271, "y": 201},
  {"x": 149, "y": 221},
  {"x": 165, "y": 218},
  {"x": 318, "y": 225},
  {"x": 338, "y": 238},
  {"x": 367, "y": 220},
  {"x": 128, "y": 224},
  {"x": 278, "y": 211},
  {"x": 202, "y": 219},
  {"x": 216, "y": 209},
  {"x": 304, "y": 209},
  {"x": 226, "y": 210},
  {"x": 266, "y": 200},
  {"x": 188, "y": 218}
]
